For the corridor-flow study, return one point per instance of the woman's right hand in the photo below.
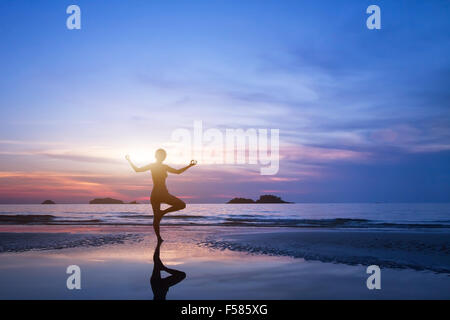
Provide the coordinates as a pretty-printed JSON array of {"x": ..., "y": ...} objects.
[
  {"x": 193, "y": 163},
  {"x": 127, "y": 157}
]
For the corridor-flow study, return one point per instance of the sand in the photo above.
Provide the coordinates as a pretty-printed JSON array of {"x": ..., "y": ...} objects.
[
  {"x": 121, "y": 269},
  {"x": 390, "y": 249}
]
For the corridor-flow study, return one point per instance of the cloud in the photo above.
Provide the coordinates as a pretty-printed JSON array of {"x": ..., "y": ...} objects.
[
  {"x": 78, "y": 157},
  {"x": 57, "y": 150},
  {"x": 312, "y": 154},
  {"x": 22, "y": 185}
]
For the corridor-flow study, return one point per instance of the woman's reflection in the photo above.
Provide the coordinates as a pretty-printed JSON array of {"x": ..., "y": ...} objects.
[{"x": 160, "y": 286}]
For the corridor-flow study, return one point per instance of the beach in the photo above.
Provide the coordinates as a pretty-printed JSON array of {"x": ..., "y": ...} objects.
[
  {"x": 116, "y": 262},
  {"x": 284, "y": 150}
]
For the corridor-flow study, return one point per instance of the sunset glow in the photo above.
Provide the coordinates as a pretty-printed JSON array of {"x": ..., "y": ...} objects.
[{"x": 357, "y": 120}]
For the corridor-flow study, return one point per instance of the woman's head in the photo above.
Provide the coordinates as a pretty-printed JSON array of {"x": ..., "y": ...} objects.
[{"x": 160, "y": 155}]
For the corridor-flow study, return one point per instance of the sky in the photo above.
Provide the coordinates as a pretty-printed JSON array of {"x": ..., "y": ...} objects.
[{"x": 363, "y": 114}]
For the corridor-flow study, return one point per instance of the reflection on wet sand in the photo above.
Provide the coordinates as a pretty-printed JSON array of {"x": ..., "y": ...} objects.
[{"x": 160, "y": 286}]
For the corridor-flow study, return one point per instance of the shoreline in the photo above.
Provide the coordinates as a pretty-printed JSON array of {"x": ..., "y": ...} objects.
[
  {"x": 122, "y": 269},
  {"x": 403, "y": 249}
]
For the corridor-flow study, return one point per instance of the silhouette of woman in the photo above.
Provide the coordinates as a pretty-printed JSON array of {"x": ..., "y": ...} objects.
[
  {"x": 160, "y": 286},
  {"x": 160, "y": 194}
]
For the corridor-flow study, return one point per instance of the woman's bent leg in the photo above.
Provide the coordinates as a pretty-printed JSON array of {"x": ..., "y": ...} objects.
[{"x": 175, "y": 204}]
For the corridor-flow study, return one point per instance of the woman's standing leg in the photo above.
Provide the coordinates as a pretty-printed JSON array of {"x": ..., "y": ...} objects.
[
  {"x": 157, "y": 215},
  {"x": 175, "y": 205}
]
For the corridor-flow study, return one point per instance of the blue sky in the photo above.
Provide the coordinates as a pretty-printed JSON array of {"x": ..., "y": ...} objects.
[{"x": 363, "y": 114}]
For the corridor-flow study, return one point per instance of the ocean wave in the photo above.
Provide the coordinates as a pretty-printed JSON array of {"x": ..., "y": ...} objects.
[
  {"x": 43, "y": 219},
  {"x": 19, "y": 242},
  {"x": 150, "y": 216},
  {"x": 218, "y": 220},
  {"x": 25, "y": 218},
  {"x": 330, "y": 223}
]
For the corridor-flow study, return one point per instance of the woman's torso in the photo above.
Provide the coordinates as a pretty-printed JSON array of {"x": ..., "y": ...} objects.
[{"x": 159, "y": 175}]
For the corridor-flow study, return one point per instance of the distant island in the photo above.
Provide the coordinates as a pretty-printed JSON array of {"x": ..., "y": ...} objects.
[
  {"x": 48, "y": 202},
  {"x": 105, "y": 201},
  {"x": 241, "y": 200},
  {"x": 267, "y": 198},
  {"x": 109, "y": 201}
]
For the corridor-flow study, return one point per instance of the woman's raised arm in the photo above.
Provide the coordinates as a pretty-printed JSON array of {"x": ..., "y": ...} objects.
[
  {"x": 180, "y": 171},
  {"x": 136, "y": 168}
]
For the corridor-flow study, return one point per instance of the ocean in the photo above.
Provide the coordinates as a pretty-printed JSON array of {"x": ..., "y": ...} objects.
[
  {"x": 228, "y": 251},
  {"x": 425, "y": 216}
]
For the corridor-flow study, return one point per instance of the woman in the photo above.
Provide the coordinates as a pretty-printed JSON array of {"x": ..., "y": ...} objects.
[{"x": 160, "y": 194}]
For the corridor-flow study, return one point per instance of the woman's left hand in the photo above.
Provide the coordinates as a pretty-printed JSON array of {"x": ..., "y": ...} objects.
[{"x": 193, "y": 163}]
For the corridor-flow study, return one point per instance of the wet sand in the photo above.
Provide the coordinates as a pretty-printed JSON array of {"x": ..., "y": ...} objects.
[
  {"x": 417, "y": 250},
  {"x": 122, "y": 269}
]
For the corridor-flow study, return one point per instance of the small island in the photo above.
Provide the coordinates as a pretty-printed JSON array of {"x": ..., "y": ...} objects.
[
  {"x": 48, "y": 202},
  {"x": 134, "y": 202},
  {"x": 267, "y": 198},
  {"x": 241, "y": 200},
  {"x": 105, "y": 201}
]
